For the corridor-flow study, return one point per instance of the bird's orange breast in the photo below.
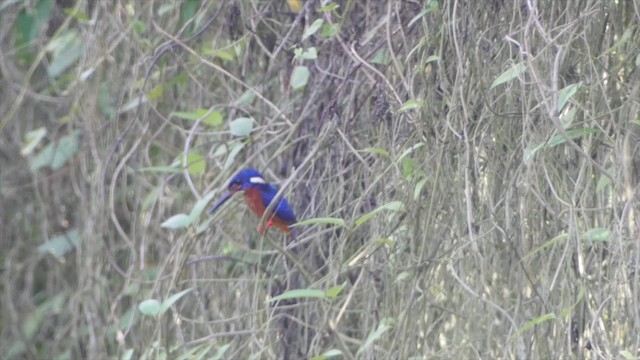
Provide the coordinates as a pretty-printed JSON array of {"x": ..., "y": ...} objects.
[{"x": 254, "y": 199}]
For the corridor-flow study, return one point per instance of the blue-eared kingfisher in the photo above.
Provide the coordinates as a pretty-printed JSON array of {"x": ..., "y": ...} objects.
[{"x": 259, "y": 194}]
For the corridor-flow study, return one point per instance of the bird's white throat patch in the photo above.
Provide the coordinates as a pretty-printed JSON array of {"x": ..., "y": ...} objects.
[{"x": 257, "y": 180}]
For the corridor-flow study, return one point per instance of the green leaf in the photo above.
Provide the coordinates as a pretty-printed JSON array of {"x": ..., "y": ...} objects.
[
  {"x": 172, "y": 300},
  {"x": 402, "y": 277},
  {"x": 299, "y": 77},
  {"x": 328, "y": 354},
  {"x": 127, "y": 354},
  {"x": 411, "y": 105},
  {"x": 308, "y": 54},
  {"x": 213, "y": 119},
  {"x": 378, "y": 151},
  {"x": 241, "y": 126},
  {"x": 313, "y": 28},
  {"x": 196, "y": 163},
  {"x": 235, "y": 150},
  {"x": 65, "y": 50},
  {"x": 433, "y": 7},
  {"x": 138, "y": 26},
  {"x": 32, "y": 139},
  {"x": 395, "y": 206},
  {"x": 177, "y": 221},
  {"x": 555, "y": 240},
  {"x": 334, "y": 291},
  {"x": 321, "y": 221},
  {"x": 408, "y": 167},
  {"x": 329, "y": 30},
  {"x": 510, "y": 74},
  {"x": 329, "y": 7},
  {"x": 381, "y": 57},
  {"x": 534, "y": 322},
  {"x": 418, "y": 190},
  {"x": 557, "y": 139},
  {"x": 565, "y": 95},
  {"x": 150, "y": 307},
  {"x": 155, "y": 93},
  {"x": 432, "y": 58},
  {"x": 604, "y": 181},
  {"x": 76, "y": 14},
  {"x": 57, "y": 153},
  {"x": 299, "y": 294},
  {"x": 597, "y": 234},
  {"x": 60, "y": 245},
  {"x": 375, "y": 335},
  {"x": 245, "y": 99},
  {"x": 627, "y": 355}
]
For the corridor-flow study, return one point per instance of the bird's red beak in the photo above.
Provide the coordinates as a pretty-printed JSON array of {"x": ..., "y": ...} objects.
[{"x": 221, "y": 201}]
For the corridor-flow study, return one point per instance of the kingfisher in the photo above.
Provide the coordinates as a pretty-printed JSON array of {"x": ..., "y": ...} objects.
[{"x": 259, "y": 194}]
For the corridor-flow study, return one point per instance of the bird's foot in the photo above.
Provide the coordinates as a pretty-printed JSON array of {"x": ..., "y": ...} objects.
[{"x": 267, "y": 225}]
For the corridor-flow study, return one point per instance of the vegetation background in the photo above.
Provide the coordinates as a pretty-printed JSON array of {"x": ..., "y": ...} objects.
[{"x": 467, "y": 172}]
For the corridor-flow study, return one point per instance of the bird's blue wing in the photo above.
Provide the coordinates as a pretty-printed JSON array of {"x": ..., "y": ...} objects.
[{"x": 282, "y": 209}]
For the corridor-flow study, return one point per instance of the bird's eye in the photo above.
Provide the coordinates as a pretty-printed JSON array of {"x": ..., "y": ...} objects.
[{"x": 235, "y": 186}]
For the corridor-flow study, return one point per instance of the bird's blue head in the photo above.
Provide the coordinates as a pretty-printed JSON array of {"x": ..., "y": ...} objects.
[
  {"x": 245, "y": 179},
  {"x": 241, "y": 181}
]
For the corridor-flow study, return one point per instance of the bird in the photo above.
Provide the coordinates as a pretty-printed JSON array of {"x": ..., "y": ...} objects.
[{"x": 259, "y": 194}]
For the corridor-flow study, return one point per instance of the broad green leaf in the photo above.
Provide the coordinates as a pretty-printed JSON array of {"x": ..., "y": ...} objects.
[
  {"x": 534, "y": 322},
  {"x": 306, "y": 54},
  {"x": 328, "y": 354},
  {"x": 196, "y": 163},
  {"x": 241, "y": 126},
  {"x": 334, "y": 291},
  {"x": 411, "y": 105},
  {"x": 408, "y": 167},
  {"x": 156, "y": 92},
  {"x": 138, "y": 26},
  {"x": 604, "y": 181},
  {"x": 313, "y": 28},
  {"x": 375, "y": 335},
  {"x": 150, "y": 307},
  {"x": 410, "y": 150},
  {"x": 329, "y": 7},
  {"x": 32, "y": 139},
  {"x": 245, "y": 99},
  {"x": 235, "y": 150},
  {"x": 177, "y": 221},
  {"x": 402, "y": 277},
  {"x": 57, "y": 153},
  {"x": 213, "y": 119},
  {"x": 432, "y": 58},
  {"x": 597, "y": 234},
  {"x": 627, "y": 355},
  {"x": 418, "y": 190},
  {"x": 510, "y": 74},
  {"x": 567, "y": 117},
  {"x": 330, "y": 30},
  {"x": 381, "y": 57},
  {"x": 321, "y": 221},
  {"x": 172, "y": 300},
  {"x": 432, "y": 7},
  {"x": 565, "y": 95},
  {"x": 555, "y": 240},
  {"x": 60, "y": 245},
  {"x": 299, "y": 77},
  {"x": 557, "y": 139},
  {"x": 299, "y": 294},
  {"x": 65, "y": 50},
  {"x": 395, "y": 206},
  {"x": 378, "y": 151}
]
